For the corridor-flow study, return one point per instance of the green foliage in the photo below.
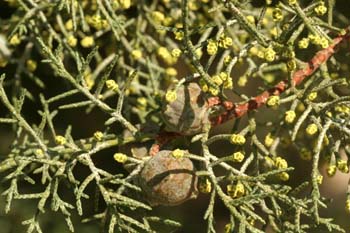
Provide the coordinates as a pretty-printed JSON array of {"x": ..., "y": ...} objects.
[{"x": 160, "y": 75}]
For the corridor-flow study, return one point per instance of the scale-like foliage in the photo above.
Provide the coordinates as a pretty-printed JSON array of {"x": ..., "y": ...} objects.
[{"x": 158, "y": 77}]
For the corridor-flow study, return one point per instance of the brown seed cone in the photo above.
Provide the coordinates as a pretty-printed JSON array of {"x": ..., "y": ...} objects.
[
  {"x": 188, "y": 113},
  {"x": 138, "y": 150},
  {"x": 167, "y": 180}
]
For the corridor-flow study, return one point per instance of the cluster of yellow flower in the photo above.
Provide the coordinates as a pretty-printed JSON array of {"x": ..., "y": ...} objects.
[
  {"x": 170, "y": 96},
  {"x": 238, "y": 156},
  {"x": 314, "y": 39},
  {"x": 221, "y": 80},
  {"x": 212, "y": 47},
  {"x": 120, "y": 157},
  {"x": 235, "y": 191},
  {"x": 281, "y": 163},
  {"x": 311, "y": 129},
  {"x": 60, "y": 140},
  {"x": 178, "y": 153},
  {"x": 224, "y": 41},
  {"x": 269, "y": 139},
  {"x": 290, "y": 116},
  {"x": 342, "y": 109},
  {"x": 273, "y": 101},
  {"x": 205, "y": 186},
  {"x": 112, "y": 85},
  {"x": 321, "y": 9},
  {"x": 98, "y": 135},
  {"x": 237, "y": 139}
]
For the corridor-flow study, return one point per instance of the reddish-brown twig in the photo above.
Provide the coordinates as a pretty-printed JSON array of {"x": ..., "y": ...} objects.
[
  {"x": 233, "y": 110},
  {"x": 237, "y": 110}
]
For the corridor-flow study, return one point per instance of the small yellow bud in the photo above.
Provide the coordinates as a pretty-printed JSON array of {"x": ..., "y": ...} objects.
[
  {"x": 168, "y": 21},
  {"x": 228, "y": 228},
  {"x": 177, "y": 154},
  {"x": 292, "y": 2},
  {"x": 217, "y": 80},
  {"x": 251, "y": 19},
  {"x": 291, "y": 65},
  {"x": 277, "y": 14},
  {"x": 269, "y": 162},
  {"x": 212, "y": 47},
  {"x": 274, "y": 32},
  {"x": 228, "y": 84},
  {"x": 342, "y": 109},
  {"x": 15, "y": 40},
  {"x": 269, "y": 78},
  {"x": 214, "y": 91},
  {"x": 284, "y": 176},
  {"x": 331, "y": 170},
  {"x": 289, "y": 116},
  {"x": 72, "y": 41},
  {"x": 170, "y": 96},
  {"x": 319, "y": 179},
  {"x": 311, "y": 129},
  {"x": 253, "y": 51},
  {"x": 31, "y": 65},
  {"x": 225, "y": 41},
  {"x": 224, "y": 76},
  {"x": 227, "y": 59},
  {"x": 235, "y": 191},
  {"x": 60, "y": 140},
  {"x": 321, "y": 9},
  {"x": 87, "y": 42},
  {"x": 39, "y": 153},
  {"x": 205, "y": 186},
  {"x": 203, "y": 85},
  {"x": 315, "y": 39},
  {"x": 142, "y": 102},
  {"x": 242, "y": 81},
  {"x": 176, "y": 53},
  {"x": 273, "y": 101},
  {"x": 120, "y": 157},
  {"x": 303, "y": 43},
  {"x": 179, "y": 35},
  {"x": 157, "y": 16},
  {"x": 312, "y": 96},
  {"x": 112, "y": 85},
  {"x": 347, "y": 206},
  {"x": 125, "y": 4},
  {"x": 301, "y": 107},
  {"x": 69, "y": 25},
  {"x": 89, "y": 81},
  {"x": 98, "y": 135},
  {"x": 342, "y": 165},
  {"x": 269, "y": 54},
  {"x": 324, "y": 42},
  {"x": 193, "y": 5},
  {"x": 269, "y": 139},
  {"x": 238, "y": 156},
  {"x": 136, "y": 54},
  {"x": 329, "y": 114},
  {"x": 198, "y": 53},
  {"x": 237, "y": 139},
  {"x": 165, "y": 55},
  {"x": 281, "y": 163},
  {"x": 170, "y": 71}
]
